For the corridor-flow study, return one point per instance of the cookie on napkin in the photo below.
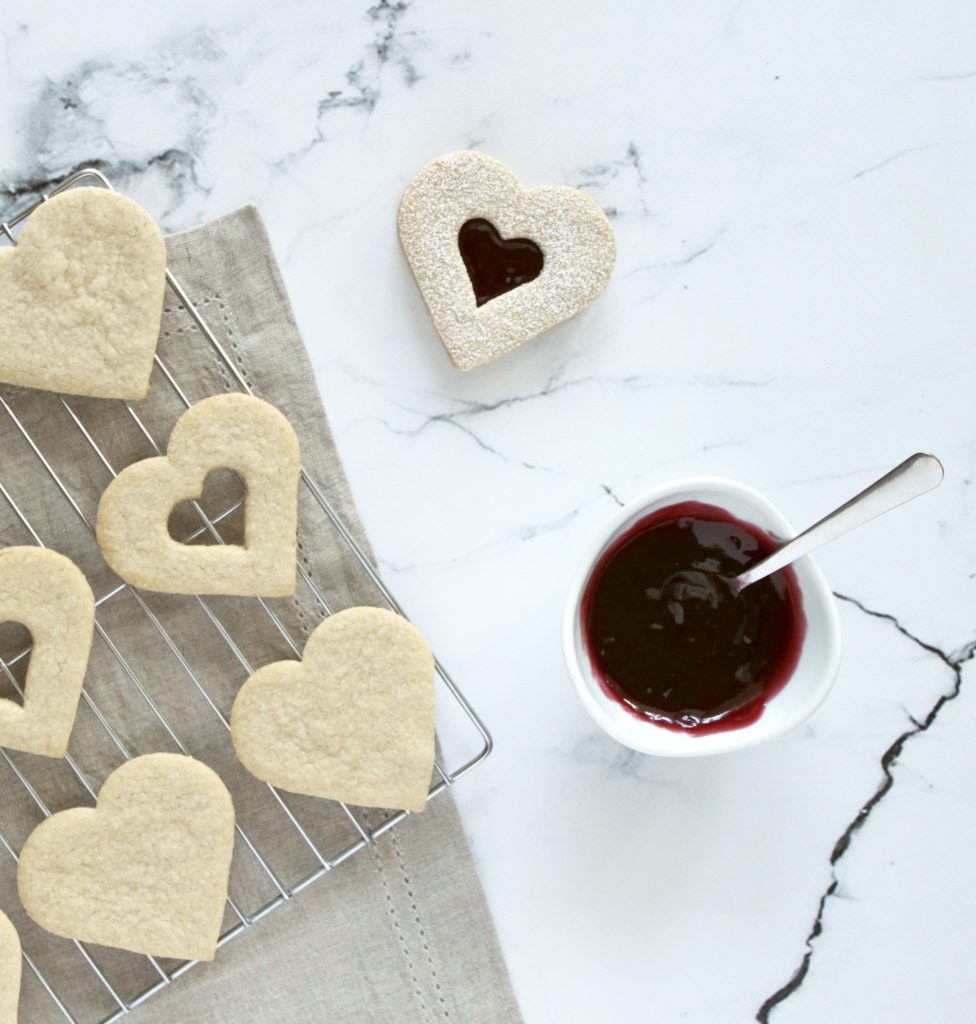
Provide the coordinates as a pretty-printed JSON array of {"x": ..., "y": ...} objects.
[
  {"x": 49, "y": 595},
  {"x": 145, "y": 870},
  {"x": 352, "y": 721},
  {"x": 498, "y": 264},
  {"x": 235, "y": 432},
  {"x": 9, "y": 970},
  {"x": 81, "y": 297}
]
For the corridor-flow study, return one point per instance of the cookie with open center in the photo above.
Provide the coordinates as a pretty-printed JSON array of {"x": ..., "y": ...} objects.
[
  {"x": 236, "y": 432},
  {"x": 49, "y": 595}
]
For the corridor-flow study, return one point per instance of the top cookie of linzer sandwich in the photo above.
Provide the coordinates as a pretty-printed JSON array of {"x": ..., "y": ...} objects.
[
  {"x": 497, "y": 263},
  {"x": 81, "y": 297}
]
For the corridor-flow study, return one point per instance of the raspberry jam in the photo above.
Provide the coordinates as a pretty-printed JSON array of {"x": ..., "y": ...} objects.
[
  {"x": 669, "y": 639},
  {"x": 494, "y": 264}
]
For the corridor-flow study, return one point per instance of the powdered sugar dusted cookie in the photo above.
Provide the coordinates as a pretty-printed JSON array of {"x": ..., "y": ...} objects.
[
  {"x": 81, "y": 297},
  {"x": 145, "y": 870},
  {"x": 498, "y": 264},
  {"x": 9, "y": 971},
  {"x": 352, "y": 721},
  {"x": 48, "y": 594},
  {"x": 235, "y": 432}
]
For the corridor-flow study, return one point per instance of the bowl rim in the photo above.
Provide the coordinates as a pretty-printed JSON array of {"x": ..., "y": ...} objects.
[{"x": 646, "y": 737}]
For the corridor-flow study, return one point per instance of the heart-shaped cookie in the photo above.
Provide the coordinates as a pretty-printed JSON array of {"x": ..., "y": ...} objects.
[
  {"x": 81, "y": 297},
  {"x": 145, "y": 870},
  {"x": 235, "y": 432},
  {"x": 352, "y": 721},
  {"x": 498, "y": 264},
  {"x": 9, "y": 971},
  {"x": 48, "y": 594}
]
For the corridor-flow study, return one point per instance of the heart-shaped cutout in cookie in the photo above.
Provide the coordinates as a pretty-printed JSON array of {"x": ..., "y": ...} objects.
[
  {"x": 145, "y": 870},
  {"x": 81, "y": 297},
  {"x": 9, "y": 970},
  {"x": 352, "y": 721},
  {"x": 476, "y": 319},
  {"x": 234, "y": 432},
  {"x": 496, "y": 265},
  {"x": 49, "y": 595}
]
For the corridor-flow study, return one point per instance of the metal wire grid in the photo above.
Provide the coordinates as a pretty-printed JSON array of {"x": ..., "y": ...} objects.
[{"x": 363, "y": 832}]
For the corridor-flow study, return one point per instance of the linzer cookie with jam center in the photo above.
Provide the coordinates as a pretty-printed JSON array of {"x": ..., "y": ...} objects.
[{"x": 498, "y": 264}]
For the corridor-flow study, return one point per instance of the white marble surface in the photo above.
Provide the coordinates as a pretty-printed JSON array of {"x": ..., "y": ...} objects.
[{"x": 792, "y": 187}]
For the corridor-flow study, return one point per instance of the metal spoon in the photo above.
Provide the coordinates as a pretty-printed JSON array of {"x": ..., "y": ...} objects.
[{"x": 913, "y": 477}]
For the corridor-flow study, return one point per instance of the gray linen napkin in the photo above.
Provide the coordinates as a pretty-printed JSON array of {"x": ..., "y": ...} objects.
[{"x": 400, "y": 931}]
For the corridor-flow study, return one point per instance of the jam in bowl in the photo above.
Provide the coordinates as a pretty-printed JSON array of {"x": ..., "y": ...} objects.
[{"x": 666, "y": 656}]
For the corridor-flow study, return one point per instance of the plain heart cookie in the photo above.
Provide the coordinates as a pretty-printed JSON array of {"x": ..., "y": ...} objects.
[
  {"x": 9, "y": 970},
  {"x": 81, "y": 297},
  {"x": 352, "y": 721},
  {"x": 49, "y": 595},
  {"x": 498, "y": 264},
  {"x": 145, "y": 870},
  {"x": 234, "y": 432}
]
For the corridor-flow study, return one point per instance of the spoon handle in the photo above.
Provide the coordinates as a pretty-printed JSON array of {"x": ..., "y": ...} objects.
[{"x": 915, "y": 476}]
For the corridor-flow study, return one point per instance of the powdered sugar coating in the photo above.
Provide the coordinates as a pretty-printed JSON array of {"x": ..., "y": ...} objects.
[{"x": 570, "y": 228}]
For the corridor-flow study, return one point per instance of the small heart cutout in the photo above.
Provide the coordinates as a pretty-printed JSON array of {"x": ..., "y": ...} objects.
[
  {"x": 496, "y": 265},
  {"x": 81, "y": 297},
  {"x": 9, "y": 971},
  {"x": 16, "y": 644},
  {"x": 353, "y": 721},
  {"x": 49, "y": 595},
  {"x": 145, "y": 870},
  {"x": 235, "y": 432},
  {"x": 222, "y": 491}
]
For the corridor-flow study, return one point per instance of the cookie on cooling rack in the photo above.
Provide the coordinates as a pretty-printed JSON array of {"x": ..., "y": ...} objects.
[
  {"x": 237, "y": 432},
  {"x": 81, "y": 297},
  {"x": 498, "y": 264},
  {"x": 145, "y": 870},
  {"x": 9, "y": 970},
  {"x": 352, "y": 721},
  {"x": 48, "y": 594}
]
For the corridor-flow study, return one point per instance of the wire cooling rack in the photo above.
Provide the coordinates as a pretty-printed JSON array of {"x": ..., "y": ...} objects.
[{"x": 97, "y": 985}]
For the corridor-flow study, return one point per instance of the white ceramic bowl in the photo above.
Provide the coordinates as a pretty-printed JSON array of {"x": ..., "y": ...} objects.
[{"x": 819, "y": 657}]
